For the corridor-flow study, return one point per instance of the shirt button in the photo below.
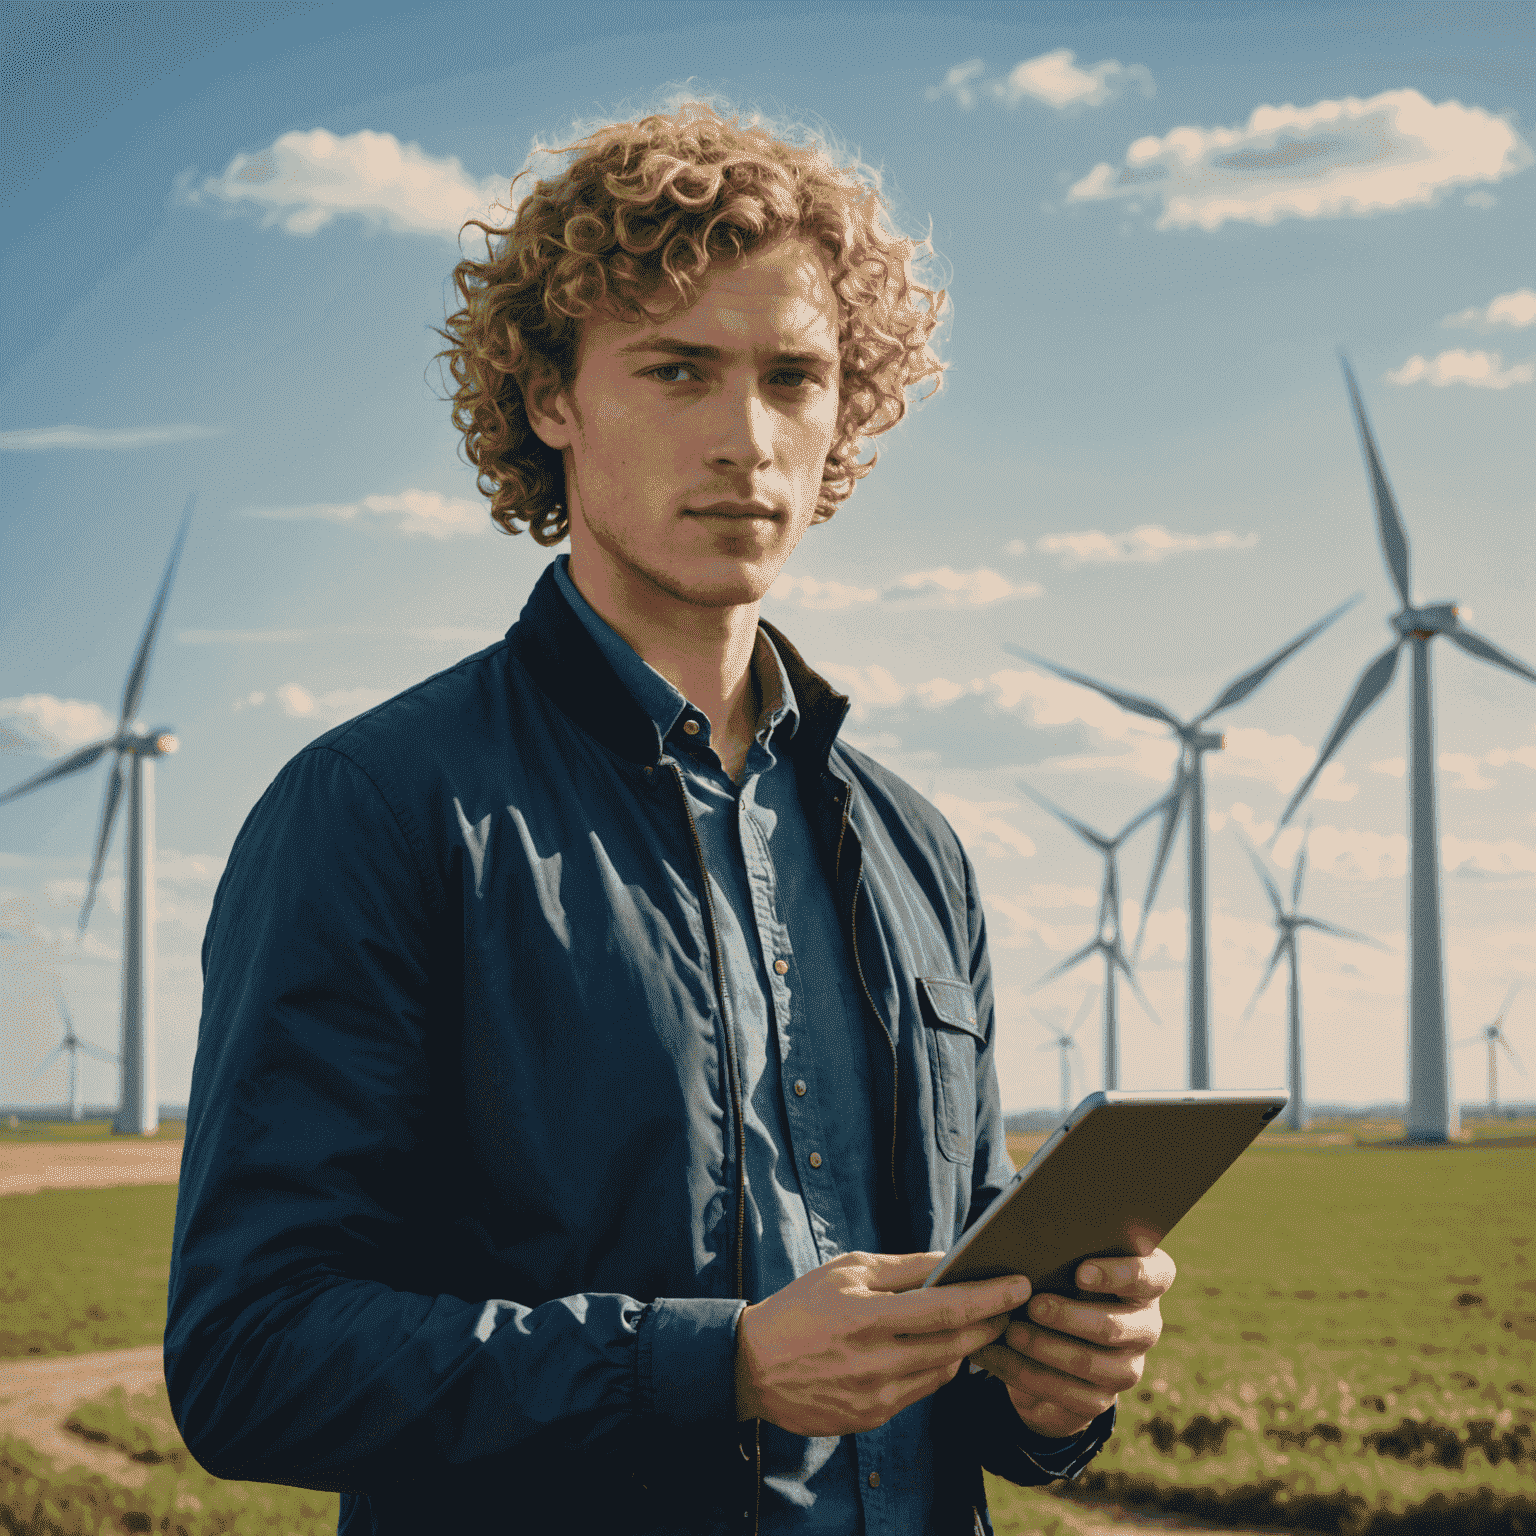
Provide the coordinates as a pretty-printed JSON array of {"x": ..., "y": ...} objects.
[
  {"x": 691, "y": 727},
  {"x": 815, "y": 1159},
  {"x": 874, "y": 1479},
  {"x": 781, "y": 966},
  {"x": 800, "y": 1086}
]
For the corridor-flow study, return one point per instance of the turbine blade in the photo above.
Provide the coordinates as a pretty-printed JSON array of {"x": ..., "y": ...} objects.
[
  {"x": 1270, "y": 889},
  {"x": 97, "y": 1052},
  {"x": 1160, "y": 804},
  {"x": 1067, "y": 964},
  {"x": 1336, "y": 932},
  {"x": 133, "y": 689},
  {"x": 1300, "y": 872},
  {"x": 1131, "y": 701},
  {"x": 1394, "y": 540},
  {"x": 1509, "y": 1051},
  {"x": 1235, "y": 692},
  {"x": 1509, "y": 997},
  {"x": 1173, "y": 808},
  {"x": 74, "y": 763},
  {"x": 1374, "y": 682},
  {"x": 1083, "y": 830},
  {"x": 48, "y": 1060},
  {"x": 1050, "y": 1045},
  {"x": 69, "y": 1023},
  {"x": 1117, "y": 957},
  {"x": 1485, "y": 650},
  {"x": 1082, "y": 1012},
  {"x": 104, "y": 837},
  {"x": 1269, "y": 970}
]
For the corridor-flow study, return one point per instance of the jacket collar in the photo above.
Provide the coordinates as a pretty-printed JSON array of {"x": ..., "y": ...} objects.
[{"x": 569, "y": 666}]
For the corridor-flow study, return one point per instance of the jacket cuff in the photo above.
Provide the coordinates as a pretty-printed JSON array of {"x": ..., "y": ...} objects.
[
  {"x": 1066, "y": 1458},
  {"x": 687, "y": 1360}
]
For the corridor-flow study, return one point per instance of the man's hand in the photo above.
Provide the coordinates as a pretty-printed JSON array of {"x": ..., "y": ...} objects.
[
  {"x": 1070, "y": 1361},
  {"x": 847, "y": 1346}
]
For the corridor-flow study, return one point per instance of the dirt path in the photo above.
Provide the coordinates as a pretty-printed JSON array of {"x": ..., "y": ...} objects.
[
  {"x": 37, "y": 1396},
  {"x": 28, "y": 1167}
]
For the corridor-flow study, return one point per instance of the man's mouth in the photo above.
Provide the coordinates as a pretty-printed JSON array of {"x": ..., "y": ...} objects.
[{"x": 744, "y": 510}]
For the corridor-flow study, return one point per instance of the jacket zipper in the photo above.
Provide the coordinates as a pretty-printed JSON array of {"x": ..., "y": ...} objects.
[
  {"x": 853, "y": 940},
  {"x": 730, "y": 1038},
  {"x": 718, "y": 970}
]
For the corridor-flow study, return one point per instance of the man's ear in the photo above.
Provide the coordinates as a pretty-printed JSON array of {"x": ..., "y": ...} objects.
[{"x": 549, "y": 410}]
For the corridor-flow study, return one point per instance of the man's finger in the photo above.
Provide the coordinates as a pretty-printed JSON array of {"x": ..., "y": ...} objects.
[
  {"x": 900, "y": 1271},
  {"x": 1135, "y": 1279},
  {"x": 947, "y": 1308}
]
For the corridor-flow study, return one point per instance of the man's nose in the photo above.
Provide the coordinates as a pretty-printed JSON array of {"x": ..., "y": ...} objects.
[{"x": 740, "y": 430}]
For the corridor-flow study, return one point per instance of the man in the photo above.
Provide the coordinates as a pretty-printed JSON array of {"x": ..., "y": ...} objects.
[{"x": 596, "y": 1054}]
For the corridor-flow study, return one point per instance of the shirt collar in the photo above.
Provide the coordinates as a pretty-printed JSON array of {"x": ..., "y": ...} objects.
[{"x": 656, "y": 696}]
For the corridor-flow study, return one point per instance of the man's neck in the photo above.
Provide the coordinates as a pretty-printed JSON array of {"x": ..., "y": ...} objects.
[{"x": 705, "y": 653}]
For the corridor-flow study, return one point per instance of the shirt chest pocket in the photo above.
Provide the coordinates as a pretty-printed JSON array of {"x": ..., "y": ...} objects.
[{"x": 954, "y": 1039}]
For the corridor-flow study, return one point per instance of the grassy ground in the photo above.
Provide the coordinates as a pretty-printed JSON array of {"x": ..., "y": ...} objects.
[
  {"x": 84, "y": 1269},
  {"x": 23, "y": 1131},
  {"x": 177, "y": 1497},
  {"x": 1350, "y": 1346}
]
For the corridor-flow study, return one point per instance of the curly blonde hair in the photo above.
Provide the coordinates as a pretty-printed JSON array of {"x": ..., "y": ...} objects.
[{"x": 633, "y": 225}]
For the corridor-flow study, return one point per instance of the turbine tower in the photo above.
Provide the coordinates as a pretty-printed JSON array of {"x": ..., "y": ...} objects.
[
  {"x": 1065, "y": 1044},
  {"x": 1432, "y": 1112},
  {"x": 1288, "y": 923},
  {"x": 138, "y": 1110},
  {"x": 1494, "y": 1035},
  {"x": 74, "y": 1045},
  {"x": 1188, "y": 793},
  {"x": 1107, "y": 935}
]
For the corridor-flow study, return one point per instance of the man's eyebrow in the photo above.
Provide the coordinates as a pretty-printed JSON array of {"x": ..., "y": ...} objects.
[{"x": 671, "y": 347}]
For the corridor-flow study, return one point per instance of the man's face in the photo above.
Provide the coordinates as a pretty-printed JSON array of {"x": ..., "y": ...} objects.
[{"x": 694, "y": 447}]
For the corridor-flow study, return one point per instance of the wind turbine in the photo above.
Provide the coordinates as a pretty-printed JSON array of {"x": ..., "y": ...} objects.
[
  {"x": 138, "y": 1111},
  {"x": 1432, "y": 1112},
  {"x": 1065, "y": 1043},
  {"x": 1189, "y": 793},
  {"x": 74, "y": 1045},
  {"x": 1494, "y": 1035},
  {"x": 1288, "y": 923},
  {"x": 1107, "y": 935}
]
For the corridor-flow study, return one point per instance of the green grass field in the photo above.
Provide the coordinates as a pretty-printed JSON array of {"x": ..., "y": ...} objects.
[
  {"x": 1350, "y": 1347},
  {"x": 24, "y": 1131}
]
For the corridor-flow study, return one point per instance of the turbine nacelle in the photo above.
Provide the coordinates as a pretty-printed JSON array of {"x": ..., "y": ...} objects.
[
  {"x": 1432, "y": 619},
  {"x": 1204, "y": 741},
  {"x": 157, "y": 741}
]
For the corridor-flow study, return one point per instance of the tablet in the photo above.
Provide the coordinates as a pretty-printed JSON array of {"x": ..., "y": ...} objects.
[{"x": 1120, "y": 1165}]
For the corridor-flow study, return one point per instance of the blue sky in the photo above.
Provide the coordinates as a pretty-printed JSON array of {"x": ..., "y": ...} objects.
[{"x": 231, "y": 232}]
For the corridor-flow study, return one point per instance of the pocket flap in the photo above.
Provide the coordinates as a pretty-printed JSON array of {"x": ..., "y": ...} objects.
[{"x": 953, "y": 1004}]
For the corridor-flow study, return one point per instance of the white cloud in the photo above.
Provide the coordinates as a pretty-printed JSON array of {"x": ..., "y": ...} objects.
[
  {"x": 328, "y": 708},
  {"x": 1147, "y": 544},
  {"x": 1279, "y": 761},
  {"x": 958, "y": 589},
  {"x": 1480, "y": 200},
  {"x": 416, "y": 514},
  {"x": 1350, "y": 854},
  {"x": 1468, "y": 769},
  {"x": 1480, "y": 370},
  {"x": 1460, "y": 855},
  {"x": 41, "y": 439},
  {"x": 1329, "y": 160},
  {"x": 810, "y": 593},
  {"x": 1393, "y": 767},
  {"x": 1052, "y": 78},
  {"x": 1515, "y": 310},
  {"x": 941, "y": 587},
  {"x": 305, "y": 180},
  {"x": 983, "y": 831},
  {"x": 38, "y": 722}
]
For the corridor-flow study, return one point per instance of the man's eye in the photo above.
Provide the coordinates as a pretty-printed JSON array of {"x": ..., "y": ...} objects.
[{"x": 682, "y": 368}]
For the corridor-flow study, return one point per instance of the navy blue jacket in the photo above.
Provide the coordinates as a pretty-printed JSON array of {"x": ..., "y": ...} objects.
[{"x": 460, "y": 1223}]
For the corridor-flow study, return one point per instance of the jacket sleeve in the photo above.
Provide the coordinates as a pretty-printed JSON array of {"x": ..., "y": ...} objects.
[
  {"x": 302, "y": 1343},
  {"x": 986, "y": 1419}
]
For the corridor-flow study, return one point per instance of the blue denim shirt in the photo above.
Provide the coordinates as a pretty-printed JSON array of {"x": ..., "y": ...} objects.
[{"x": 806, "y": 1075}]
